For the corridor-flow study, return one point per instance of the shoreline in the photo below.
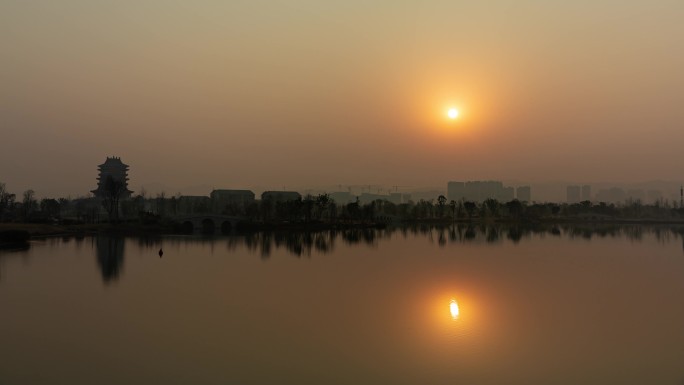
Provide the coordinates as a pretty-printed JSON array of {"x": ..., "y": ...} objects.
[{"x": 40, "y": 230}]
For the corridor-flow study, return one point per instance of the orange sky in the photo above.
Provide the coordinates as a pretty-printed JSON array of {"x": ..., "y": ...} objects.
[{"x": 266, "y": 94}]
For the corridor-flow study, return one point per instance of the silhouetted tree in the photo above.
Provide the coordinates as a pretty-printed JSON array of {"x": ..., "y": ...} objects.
[
  {"x": 492, "y": 206},
  {"x": 6, "y": 201},
  {"x": 112, "y": 192},
  {"x": 28, "y": 203},
  {"x": 252, "y": 211},
  {"x": 515, "y": 208},
  {"x": 161, "y": 204},
  {"x": 173, "y": 204},
  {"x": 441, "y": 203},
  {"x": 308, "y": 204},
  {"x": 333, "y": 211},
  {"x": 353, "y": 209},
  {"x": 50, "y": 207},
  {"x": 470, "y": 208},
  {"x": 555, "y": 209},
  {"x": 322, "y": 202},
  {"x": 267, "y": 207},
  {"x": 368, "y": 211}
]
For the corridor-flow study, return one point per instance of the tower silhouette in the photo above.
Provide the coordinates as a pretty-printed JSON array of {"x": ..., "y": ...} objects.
[{"x": 115, "y": 168}]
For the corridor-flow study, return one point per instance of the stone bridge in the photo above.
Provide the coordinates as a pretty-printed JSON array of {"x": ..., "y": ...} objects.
[{"x": 208, "y": 223}]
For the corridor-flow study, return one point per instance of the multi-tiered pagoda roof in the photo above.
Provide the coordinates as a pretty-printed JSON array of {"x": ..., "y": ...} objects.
[{"x": 114, "y": 167}]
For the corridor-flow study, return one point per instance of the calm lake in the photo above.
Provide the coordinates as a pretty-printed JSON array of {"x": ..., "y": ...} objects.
[{"x": 459, "y": 305}]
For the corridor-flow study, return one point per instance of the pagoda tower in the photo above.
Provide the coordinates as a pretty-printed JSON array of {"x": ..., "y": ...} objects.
[{"x": 115, "y": 168}]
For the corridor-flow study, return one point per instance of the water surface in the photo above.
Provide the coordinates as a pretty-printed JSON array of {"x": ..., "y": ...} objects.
[{"x": 543, "y": 306}]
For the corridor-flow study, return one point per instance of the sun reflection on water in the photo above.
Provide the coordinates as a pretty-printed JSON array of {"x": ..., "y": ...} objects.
[
  {"x": 453, "y": 308},
  {"x": 454, "y": 316}
]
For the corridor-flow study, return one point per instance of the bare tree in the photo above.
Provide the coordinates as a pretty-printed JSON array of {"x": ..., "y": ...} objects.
[
  {"x": 470, "y": 208},
  {"x": 50, "y": 207},
  {"x": 112, "y": 192},
  {"x": 453, "y": 205},
  {"x": 493, "y": 206},
  {"x": 441, "y": 203},
  {"x": 28, "y": 202},
  {"x": 161, "y": 204},
  {"x": 4, "y": 200}
]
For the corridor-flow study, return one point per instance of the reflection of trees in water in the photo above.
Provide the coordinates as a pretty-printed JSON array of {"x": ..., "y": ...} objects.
[
  {"x": 324, "y": 243},
  {"x": 441, "y": 237},
  {"x": 266, "y": 242},
  {"x": 303, "y": 243},
  {"x": 492, "y": 235},
  {"x": 516, "y": 233},
  {"x": 367, "y": 236},
  {"x": 149, "y": 242},
  {"x": 110, "y": 256},
  {"x": 469, "y": 233},
  {"x": 20, "y": 249},
  {"x": 665, "y": 236}
]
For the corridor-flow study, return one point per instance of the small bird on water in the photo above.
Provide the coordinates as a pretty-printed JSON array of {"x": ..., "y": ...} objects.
[{"x": 161, "y": 252}]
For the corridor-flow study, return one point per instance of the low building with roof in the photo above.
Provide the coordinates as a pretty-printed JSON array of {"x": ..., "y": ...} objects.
[{"x": 230, "y": 200}]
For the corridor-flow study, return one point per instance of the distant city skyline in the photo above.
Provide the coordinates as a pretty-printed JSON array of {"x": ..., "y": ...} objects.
[{"x": 557, "y": 191}]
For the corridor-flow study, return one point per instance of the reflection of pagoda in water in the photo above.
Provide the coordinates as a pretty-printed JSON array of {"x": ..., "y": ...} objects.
[
  {"x": 115, "y": 168},
  {"x": 110, "y": 256}
]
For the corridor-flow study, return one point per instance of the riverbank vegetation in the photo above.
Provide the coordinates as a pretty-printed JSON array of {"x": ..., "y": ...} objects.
[{"x": 162, "y": 214}]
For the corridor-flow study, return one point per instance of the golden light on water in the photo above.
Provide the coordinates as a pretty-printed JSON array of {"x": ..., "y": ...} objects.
[
  {"x": 453, "y": 308},
  {"x": 463, "y": 321}
]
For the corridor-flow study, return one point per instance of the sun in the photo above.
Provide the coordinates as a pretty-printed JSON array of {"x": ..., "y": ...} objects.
[{"x": 452, "y": 113}]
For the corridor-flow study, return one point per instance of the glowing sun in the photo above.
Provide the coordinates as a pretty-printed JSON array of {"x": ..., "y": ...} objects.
[{"x": 452, "y": 113}]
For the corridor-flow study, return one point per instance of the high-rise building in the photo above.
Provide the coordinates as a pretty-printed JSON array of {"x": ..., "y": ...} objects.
[
  {"x": 524, "y": 193},
  {"x": 342, "y": 197},
  {"x": 573, "y": 194},
  {"x": 479, "y": 191},
  {"x": 636, "y": 195},
  {"x": 118, "y": 171},
  {"x": 586, "y": 192},
  {"x": 611, "y": 195},
  {"x": 455, "y": 191},
  {"x": 506, "y": 194}
]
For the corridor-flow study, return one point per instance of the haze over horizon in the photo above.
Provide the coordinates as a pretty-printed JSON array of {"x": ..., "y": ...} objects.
[{"x": 244, "y": 94}]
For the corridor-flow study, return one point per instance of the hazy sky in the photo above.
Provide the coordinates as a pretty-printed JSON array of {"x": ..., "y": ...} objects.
[{"x": 265, "y": 94}]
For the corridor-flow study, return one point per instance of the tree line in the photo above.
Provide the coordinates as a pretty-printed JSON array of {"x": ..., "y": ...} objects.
[{"x": 319, "y": 208}]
